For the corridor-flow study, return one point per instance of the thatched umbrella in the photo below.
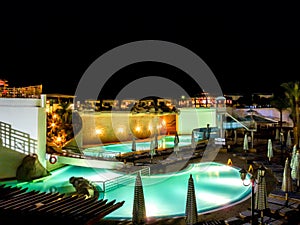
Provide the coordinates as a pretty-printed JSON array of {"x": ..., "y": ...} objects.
[
  {"x": 139, "y": 208},
  {"x": 270, "y": 150},
  {"x": 287, "y": 182},
  {"x": 261, "y": 202},
  {"x": 191, "y": 213}
]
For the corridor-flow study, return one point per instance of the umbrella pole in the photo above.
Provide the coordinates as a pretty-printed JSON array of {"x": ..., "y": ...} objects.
[
  {"x": 262, "y": 216},
  {"x": 286, "y": 199}
]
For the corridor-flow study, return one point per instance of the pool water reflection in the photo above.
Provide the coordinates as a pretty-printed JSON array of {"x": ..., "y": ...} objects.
[{"x": 216, "y": 186}]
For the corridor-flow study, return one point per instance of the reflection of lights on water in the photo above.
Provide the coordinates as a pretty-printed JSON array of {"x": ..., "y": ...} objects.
[
  {"x": 212, "y": 198},
  {"x": 151, "y": 210},
  {"x": 229, "y": 182}
]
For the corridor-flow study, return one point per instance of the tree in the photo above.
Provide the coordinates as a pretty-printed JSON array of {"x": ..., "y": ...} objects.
[
  {"x": 292, "y": 93},
  {"x": 279, "y": 101}
]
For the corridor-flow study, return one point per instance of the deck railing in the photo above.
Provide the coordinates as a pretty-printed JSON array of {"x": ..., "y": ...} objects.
[
  {"x": 117, "y": 182},
  {"x": 16, "y": 140}
]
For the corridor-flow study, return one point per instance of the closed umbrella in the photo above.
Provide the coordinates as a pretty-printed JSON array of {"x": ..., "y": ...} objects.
[
  {"x": 277, "y": 135},
  {"x": 191, "y": 213},
  {"x": 270, "y": 150},
  {"x": 293, "y": 155},
  {"x": 245, "y": 144},
  {"x": 261, "y": 202},
  {"x": 133, "y": 147},
  {"x": 139, "y": 208},
  {"x": 287, "y": 182},
  {"x": 288, "y": 139},
  {"x": 152, "y": 149},
  {"x": 155, "y": 141},
  {"x": 295, "y": 172}
]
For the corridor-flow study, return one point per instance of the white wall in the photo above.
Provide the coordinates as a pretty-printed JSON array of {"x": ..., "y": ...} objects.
[
  {"x": 191, "y": 118},
  {"x": 26, "y": 115}
]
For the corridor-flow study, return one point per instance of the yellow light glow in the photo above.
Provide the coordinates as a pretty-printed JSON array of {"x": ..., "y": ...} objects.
[
  {"x": 52, "y": 124},
  {"x": 138, "y": 128},
  {"x": 58, "y": 139},
  {"x": 99, "y": 131},
  {"x": 121, "y": 129}
]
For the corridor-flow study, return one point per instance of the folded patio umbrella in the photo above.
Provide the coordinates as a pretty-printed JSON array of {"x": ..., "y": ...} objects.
[
  {"x": 261, "y": 202},
  {"x": 139, "y": 208},
  {"x": 245, "y": 144},
  {"x": 296, "y": 167},
  {"x": 191, "y": 213},
  {"x": 270, "y": 149},
  {"x": 288, "y": 139},
  {"x": 287, "y": 182},
  {"x": 152, "y": 149},
  {"x": 293, "y": 155},
  {"x": 133, "y": 147},
  {"x": 277, "y": 137}
]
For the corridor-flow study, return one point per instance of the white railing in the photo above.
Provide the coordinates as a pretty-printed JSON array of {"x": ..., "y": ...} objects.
[
  {"x": 16, "y": 140},
  {"x": 117, "y": 182}
]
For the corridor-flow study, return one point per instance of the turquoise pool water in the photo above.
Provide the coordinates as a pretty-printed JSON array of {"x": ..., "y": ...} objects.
[
  {"x": 216, "y": 186},
  {"x": 163, "y": 142}
]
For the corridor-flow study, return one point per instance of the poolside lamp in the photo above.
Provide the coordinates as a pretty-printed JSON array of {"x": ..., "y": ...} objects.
[
  {"x": 243, "y": 174},
  {"x": 261, "y": 171}
]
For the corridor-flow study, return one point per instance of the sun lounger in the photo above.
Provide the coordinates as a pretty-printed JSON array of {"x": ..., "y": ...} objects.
[
  {"x": 234, "y": 221},
  {"x": 247, "y": 214}
]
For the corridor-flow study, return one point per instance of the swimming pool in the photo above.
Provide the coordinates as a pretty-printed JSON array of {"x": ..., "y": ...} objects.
[
  {"x": 216, "y": 186},
  {"x": 163, "y": 143}
]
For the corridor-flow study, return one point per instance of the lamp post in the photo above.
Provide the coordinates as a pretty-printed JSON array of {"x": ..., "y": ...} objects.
[{"x": 261, "y": 173}]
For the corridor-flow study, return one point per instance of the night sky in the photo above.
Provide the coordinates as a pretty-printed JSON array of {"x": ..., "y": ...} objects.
[{"x": 249, "y": 48}]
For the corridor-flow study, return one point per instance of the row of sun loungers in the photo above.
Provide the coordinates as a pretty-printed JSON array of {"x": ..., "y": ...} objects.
[
  {"x": 278, "y": 212},
  {"x": 19, "y": 206}
]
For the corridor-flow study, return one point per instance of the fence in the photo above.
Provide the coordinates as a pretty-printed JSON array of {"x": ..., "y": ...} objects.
[
  {"x": 21, "y": 92},
  {"x": 16, "y": 140},
  {"x": 117, "y": 182}
]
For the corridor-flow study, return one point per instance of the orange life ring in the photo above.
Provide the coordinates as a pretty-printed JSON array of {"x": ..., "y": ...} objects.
[{"x": 52, "y": 159}]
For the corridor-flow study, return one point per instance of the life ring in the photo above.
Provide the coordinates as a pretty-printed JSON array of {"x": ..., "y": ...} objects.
[{"x": 53, "y": 159}]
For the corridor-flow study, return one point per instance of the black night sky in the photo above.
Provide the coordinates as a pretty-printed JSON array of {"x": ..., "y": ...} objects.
[{"x": 250, "y": 47}]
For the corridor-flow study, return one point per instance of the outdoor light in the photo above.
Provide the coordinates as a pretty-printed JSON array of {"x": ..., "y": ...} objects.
[
  {"x": 243, "y": 174},
  {"x": 261, "y": 172}
]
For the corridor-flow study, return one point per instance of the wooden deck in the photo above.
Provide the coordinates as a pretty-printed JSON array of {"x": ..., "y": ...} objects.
[{"x": 19, "y": 206}]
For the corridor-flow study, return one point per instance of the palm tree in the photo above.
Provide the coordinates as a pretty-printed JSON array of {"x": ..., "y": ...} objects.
[
  {"x": 292, "y": 92},
  {"x": 279, "y": 102}
]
